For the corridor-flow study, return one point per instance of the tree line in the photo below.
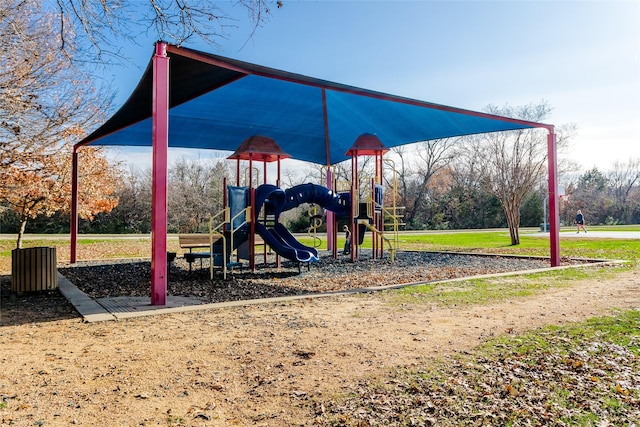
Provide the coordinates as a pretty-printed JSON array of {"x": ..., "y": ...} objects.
[{"x": 454, "y": 196}]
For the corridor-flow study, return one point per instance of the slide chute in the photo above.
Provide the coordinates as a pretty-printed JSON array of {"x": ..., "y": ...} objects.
[{"x": 276, "y": 200}]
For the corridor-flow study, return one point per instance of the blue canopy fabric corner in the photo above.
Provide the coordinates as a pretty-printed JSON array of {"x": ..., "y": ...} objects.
[{"x": 216, "y": 103}]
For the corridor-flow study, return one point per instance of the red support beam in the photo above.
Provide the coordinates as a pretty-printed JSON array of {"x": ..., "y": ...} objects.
[
  {"x": 554, "y": 206},
  {"x": 355, "y": 204},
  {"x": 331, "y": 242},
  {"x": 252, "y": 219},
  {"x": 74, "y": 207},
  {"x": 160, "y": 142}
]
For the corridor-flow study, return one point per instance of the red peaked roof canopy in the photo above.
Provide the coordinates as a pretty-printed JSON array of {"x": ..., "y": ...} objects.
[{"x": 259, "y": 148}]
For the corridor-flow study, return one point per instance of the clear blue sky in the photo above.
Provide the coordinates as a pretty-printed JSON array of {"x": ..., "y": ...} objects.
[{"x": 583, "y": 57}]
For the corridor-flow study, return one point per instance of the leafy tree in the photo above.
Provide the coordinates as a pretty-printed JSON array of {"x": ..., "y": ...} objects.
[
  {"x": 46, "y": 103},
  {"x": 590, "y": 195},
  {"x": 45, "y": 190},
  {"x": 532, "y": 210},
  {"x": 469, "y": 208},
  {"x": 593, "y": 180}
]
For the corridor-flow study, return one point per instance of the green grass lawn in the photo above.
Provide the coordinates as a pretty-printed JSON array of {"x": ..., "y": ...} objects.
[
  {"x": 531, "y": 243},
  {"x": 489, "y": 290},
  {"x": 493, "y": 242}
]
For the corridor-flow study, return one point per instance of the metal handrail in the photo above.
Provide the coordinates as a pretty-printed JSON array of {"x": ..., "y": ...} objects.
[{"x": 216, "y": 231}]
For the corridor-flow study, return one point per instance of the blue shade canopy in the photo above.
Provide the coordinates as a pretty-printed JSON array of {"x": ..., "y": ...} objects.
[{"x": 217, "y": 103}]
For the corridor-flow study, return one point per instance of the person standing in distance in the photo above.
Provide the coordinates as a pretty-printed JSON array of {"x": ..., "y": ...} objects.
[
  {"x": 580, "y": 221},
  {"x": 347, "y": 244}
]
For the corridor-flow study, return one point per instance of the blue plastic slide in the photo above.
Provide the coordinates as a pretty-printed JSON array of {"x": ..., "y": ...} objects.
[
  {"x": 284, "y": 244},
  {"x": 276, "y": 200}
]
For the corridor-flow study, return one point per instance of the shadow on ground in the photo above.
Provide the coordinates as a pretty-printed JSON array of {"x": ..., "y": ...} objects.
[{"x": 32, "y": 307}]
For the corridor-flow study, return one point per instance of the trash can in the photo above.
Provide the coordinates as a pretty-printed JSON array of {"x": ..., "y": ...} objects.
[
  {"x": 34, "y": 269},
  {"x": 544, "y": 226}
]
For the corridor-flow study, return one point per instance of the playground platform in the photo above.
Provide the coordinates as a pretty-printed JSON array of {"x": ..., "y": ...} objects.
[{"x": 114, "y": 308}]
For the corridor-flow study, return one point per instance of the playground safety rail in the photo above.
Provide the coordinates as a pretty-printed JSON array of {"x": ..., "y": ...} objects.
[{"x": 216, "y": 231}]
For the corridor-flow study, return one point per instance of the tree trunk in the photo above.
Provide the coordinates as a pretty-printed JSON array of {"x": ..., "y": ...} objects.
[
  {"x": 515, "y": 234},
  {"x": 23, "y": 226},
  {"x": 513, "y": 221}
]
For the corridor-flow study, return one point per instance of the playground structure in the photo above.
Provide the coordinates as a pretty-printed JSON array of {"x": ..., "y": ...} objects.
[
  {"x": 368, "y": 210},
  {"x": 255, "y": 209},
  {"x": 214, "y": 95}
]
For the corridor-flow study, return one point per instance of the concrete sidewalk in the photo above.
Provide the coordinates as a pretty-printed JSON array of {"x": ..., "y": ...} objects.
[
  {"x": 114, "y": 308},
  {"x": 593, "y": 234}
]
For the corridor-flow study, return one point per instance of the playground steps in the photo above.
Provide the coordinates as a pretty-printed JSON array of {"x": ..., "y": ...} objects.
[{"x": 392, "y": 242}]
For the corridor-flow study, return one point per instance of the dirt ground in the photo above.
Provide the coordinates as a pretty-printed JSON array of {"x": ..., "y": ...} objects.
[{"x": 262, "y": 365}]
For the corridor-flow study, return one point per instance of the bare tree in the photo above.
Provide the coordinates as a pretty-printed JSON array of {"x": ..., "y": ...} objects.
[
  {"x": 513, "y": 163},
  {"x": 44, "y": 98},
  {"x": 589, "y": 194},
  {"x": 196, "y": 193},
  {"x": 623, "y": 178},
  {"x": 404, "y": 170},
  {"x": 470, "y": 204},
  {"x": 96, "y": 23},
  {"x": 133, "y": 213},
  {"x": 414, "y": 176}
]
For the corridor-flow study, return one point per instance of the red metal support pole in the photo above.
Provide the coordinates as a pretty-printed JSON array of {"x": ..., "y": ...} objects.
[
  {"x": 160, "y": 142},
  {"x": 378, "y": 214},
  {"x": 278, "y": 177},
  {"x": 331, "y": 242},
  {"x": 254, "y": 217},
  {"x": 380, "y": 224},
  {"x": 554, "y": 206},
  {"x": 372, "y": 204},
  {"x": 74, "y": 207},
  {"x": 355, "y": 200},
  {"x": 374, "y": 218},
  {"x": 332, "y": 234}
]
